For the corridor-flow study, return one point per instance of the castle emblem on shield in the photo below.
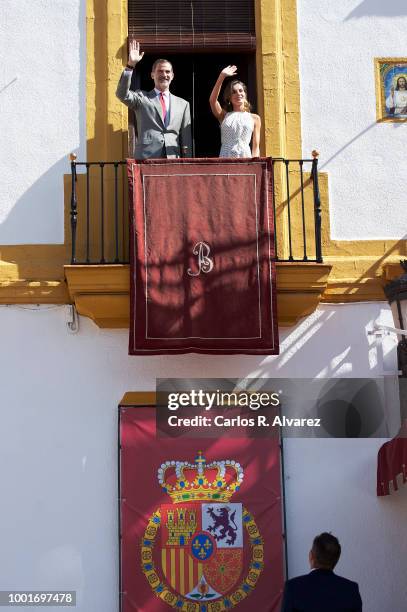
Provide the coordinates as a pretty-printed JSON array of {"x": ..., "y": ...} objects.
[{"x": 202, "y": 552}]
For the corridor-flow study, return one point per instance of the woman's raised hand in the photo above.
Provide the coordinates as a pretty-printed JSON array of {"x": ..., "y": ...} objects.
[
  {"x": 134, "y": 52},
  {"x": 229, "y": 71},
  {"x": 216, "y": 108}
]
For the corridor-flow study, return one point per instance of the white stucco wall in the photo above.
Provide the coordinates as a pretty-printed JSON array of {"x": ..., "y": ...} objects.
[
  {"x": 58, "y": 451},
  {"x": 336, "y": 481},
  {"x": 365, "y": 160},
  {"x": 42, "y": 106}
]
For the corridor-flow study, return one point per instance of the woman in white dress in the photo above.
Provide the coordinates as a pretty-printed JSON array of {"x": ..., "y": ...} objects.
[{"x": 238, "y": 126}]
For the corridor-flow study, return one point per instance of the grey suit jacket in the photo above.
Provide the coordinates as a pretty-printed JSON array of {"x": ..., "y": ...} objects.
[{"x": 154, "y": 139}]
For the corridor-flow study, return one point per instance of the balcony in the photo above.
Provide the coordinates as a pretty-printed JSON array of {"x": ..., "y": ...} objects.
[{"x": 98, "y": 276}]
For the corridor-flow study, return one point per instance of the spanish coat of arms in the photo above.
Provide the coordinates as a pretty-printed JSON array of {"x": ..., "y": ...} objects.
[{"x": 202, "y": 552}]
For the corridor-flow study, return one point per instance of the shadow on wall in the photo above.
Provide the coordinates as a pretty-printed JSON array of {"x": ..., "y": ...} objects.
[
  {"x": 8, "y": 84},
  {"x": 346, "y": 354},
  {"x": 44, "y": 206},
  {"x": 40, "y": 209},
  {"x": 375, "y": 124},
  {"x": 347, "y": 144},
  {"x": 378, "y": 8}
]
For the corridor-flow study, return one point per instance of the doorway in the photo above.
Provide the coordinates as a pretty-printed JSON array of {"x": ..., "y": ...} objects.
[{"x": 195, "y": 75}]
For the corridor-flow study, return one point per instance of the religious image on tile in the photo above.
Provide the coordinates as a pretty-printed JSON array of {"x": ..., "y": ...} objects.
[{"x": 393, "y": 89}]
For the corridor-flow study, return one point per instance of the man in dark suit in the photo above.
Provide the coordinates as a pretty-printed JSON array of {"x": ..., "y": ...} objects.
[
  {"x": 321, "y": 590},
  {"x": 163, "y": 120}
]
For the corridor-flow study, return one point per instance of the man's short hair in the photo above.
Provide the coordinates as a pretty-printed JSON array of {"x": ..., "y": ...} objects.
[
  {"x": 161, "y": 61},
  {"x": 326, "y": 550}
]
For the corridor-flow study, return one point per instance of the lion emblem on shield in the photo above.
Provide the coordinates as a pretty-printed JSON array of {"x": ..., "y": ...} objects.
[{"x": 223, "y": 526}]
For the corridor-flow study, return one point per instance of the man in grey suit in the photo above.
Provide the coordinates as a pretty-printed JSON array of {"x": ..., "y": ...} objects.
[{"x": 163, "y": 120}]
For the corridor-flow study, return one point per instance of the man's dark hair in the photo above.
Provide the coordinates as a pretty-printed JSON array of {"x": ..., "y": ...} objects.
[
  {"x": 326, "y": 550},
  {"x": 160, "y": 61}
]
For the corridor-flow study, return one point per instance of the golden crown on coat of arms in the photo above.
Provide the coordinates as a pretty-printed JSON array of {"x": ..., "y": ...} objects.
[{"x": 200, "y": 481}]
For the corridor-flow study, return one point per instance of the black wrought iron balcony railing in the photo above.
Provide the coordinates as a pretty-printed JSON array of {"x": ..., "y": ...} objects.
[{"x": 99, "y": 211}]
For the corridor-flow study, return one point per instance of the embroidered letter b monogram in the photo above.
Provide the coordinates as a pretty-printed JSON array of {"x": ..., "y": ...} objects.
[{"x": 205, "y": 263}]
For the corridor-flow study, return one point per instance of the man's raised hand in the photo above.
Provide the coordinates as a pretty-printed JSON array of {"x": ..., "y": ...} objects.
[{"x": 134, "y": 52}]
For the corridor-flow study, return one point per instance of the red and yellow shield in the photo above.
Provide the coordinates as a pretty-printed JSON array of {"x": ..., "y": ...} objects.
[{"x": 201, "y": 543}]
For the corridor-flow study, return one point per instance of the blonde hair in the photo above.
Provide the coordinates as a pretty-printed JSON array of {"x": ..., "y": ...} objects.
[{"x": 227, "y": 94}]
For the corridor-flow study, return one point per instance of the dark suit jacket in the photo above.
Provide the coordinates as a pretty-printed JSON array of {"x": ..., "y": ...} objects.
[{"x": 321, "y": 591}]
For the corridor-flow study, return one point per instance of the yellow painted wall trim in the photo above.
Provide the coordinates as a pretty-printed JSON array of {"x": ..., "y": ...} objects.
[
  {"x": 34, "y": 292},
  {"x": 392, "y": 271},
  {"x": 139, "y": 398},
  {"x": 278, "y": 77},
  {"x": 102, "y": 292},
  {"x": 32, "y": 274},
  {"x": 40, "y": 262},
  {"x": 106, "y": 116}
]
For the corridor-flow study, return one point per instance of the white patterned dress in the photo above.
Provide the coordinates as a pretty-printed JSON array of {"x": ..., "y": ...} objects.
[{"x": 236, "y": 132}]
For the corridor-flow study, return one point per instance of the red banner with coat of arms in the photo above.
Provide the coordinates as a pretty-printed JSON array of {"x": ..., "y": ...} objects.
[{"x": 201, "y": 520}]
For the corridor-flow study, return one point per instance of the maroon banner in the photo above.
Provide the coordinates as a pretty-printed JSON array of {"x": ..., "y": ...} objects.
[
  {"x": 201, "y": 521},
  {"x": 392, "y": 462},
  {"x": 201, "y": 253}
]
